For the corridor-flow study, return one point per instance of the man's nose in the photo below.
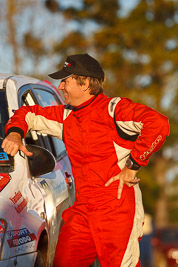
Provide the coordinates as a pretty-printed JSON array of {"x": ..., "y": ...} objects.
[{"x": 61, "y": 85}]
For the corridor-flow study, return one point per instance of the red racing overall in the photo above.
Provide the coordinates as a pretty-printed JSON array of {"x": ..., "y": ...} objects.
[{"x": 98, "y": 224}]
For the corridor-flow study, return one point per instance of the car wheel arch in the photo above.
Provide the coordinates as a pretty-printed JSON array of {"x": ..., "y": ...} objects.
[{"x": 42, "y": 246}]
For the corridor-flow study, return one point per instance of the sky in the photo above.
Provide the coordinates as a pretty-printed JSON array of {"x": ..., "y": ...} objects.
[
  {"x": 126, "y": 5},
  {"x": 55, "y": 31}
]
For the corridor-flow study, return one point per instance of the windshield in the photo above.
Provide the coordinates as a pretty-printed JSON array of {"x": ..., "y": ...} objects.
[
  {"x": 3, "y": 115},
  {"x": 46, "y": 98},
  {"x": 6, "y": 161}
]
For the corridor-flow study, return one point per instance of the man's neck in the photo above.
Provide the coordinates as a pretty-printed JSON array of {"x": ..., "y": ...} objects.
[
  {"x": 83, "y": 100},
  {"x": 85, "y": 104}
]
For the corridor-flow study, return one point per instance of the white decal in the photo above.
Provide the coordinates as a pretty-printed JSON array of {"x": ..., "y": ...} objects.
[{"x": 154, "y": 144}]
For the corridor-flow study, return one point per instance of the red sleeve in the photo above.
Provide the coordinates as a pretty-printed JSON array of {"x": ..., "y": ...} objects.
[
  {"x": 152, "y": 126},
  {"x": 47, "y": 120}
]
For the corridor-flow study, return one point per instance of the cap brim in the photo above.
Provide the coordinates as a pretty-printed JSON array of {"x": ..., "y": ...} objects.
[{"x": 59, "y": 75}]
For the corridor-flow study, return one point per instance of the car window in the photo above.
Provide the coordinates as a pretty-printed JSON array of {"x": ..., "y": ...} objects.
[
  {"x": 6, "y": 161},
  {"x": 37, "y": 94},
  {"x": 46, "y": 98},
  {"x": 4, "y": 116},
  {"x": 32, "y": 137}
]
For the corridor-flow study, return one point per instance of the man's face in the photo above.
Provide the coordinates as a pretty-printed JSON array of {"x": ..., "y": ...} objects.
[{"x": 73, "y": 93}]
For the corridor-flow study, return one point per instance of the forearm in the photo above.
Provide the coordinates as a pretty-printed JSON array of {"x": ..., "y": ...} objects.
[
  {"x": 44, "y": 120},
  {"x": 151, "y": 139}
]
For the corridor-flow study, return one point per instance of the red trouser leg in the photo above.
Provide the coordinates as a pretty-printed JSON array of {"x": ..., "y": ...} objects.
[
  {"x": 110, "y": 232},
  {"x": 111, "y": 229},
  {"x": 75, "y": 247}
]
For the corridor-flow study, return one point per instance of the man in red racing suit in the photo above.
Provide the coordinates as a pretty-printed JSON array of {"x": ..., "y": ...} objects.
[{"x": 107, "y": 140}]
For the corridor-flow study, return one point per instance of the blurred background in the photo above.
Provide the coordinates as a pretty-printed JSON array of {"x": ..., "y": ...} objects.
[{"x": 136, "y": 42}]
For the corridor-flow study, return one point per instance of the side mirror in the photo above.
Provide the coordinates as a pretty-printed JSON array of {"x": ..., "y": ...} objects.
[{"x": 41, "y": 162}]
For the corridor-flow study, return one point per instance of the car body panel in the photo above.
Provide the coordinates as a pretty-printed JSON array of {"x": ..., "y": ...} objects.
[
  {"x": 26, "y": 260},
  {"x": 28, "y": 204}
]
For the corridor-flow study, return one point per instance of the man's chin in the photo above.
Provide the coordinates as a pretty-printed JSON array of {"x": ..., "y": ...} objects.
[{"x": 66, "y": 102}]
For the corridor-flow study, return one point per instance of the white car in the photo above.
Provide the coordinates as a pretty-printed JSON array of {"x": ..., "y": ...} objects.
[{"x": 33, "y": 191}]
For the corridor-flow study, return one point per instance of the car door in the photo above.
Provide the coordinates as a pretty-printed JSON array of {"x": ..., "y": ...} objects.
[
  {"x": 60, "y": 181},
  {"x": 38, "y": 94},
  {"x": 20, "y": 220}
]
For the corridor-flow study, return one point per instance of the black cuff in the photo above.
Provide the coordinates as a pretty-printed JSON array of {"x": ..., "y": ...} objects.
[
  {"x": 135, "y": 163},
  {"x": 16, "y": 130},
  {"x": 132, "y": 164}
]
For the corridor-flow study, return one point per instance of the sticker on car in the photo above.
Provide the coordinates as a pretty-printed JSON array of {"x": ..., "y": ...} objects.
[
  {"x": 19, "y": 237},
  {"x": 3, "y": 156}
]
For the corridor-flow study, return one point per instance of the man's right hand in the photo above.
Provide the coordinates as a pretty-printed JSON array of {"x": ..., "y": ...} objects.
[{"x": 13, "y": 143}]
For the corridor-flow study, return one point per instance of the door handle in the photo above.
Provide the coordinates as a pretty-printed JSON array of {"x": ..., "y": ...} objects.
[{"x": 68, "y": 179}]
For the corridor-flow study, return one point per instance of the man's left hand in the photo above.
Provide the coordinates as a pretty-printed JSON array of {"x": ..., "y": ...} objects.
[{"x": 126, "y": 176}]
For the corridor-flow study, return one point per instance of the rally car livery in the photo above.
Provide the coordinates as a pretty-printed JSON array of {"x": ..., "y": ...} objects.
[{"x": 33, "y": 191}]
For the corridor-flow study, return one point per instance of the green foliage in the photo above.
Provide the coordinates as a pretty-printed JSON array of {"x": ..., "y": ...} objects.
[
  {"x": 173, "y": 202},
  {"x": 78, "y": 40},
  {"x": 173, "y": 217},
  {"x": 150, "y": 189},
  {"x": 34, "y": 45}
]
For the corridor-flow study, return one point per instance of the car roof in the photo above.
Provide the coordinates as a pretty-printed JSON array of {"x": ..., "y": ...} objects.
[
  {"x": 15, "y": 82},
  {"x": 18, "y": 80}
]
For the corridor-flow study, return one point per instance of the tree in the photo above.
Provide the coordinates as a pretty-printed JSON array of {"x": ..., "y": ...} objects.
[
  {"x": 11, "y": 12},
  {"x": 23, "y": 44}
]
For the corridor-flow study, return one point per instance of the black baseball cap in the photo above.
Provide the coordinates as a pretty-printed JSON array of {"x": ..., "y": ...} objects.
[{"x": 80, "y": 64}]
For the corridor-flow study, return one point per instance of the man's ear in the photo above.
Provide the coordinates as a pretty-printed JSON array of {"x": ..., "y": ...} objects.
[{"x": 86, "y": 85}]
